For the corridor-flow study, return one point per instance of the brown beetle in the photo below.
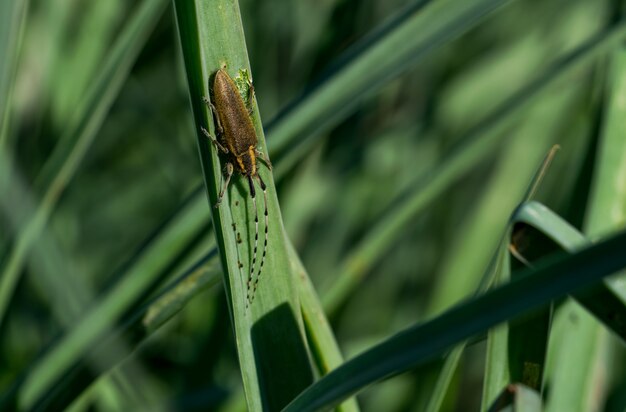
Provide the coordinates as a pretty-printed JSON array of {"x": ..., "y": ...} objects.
[{"x": 237, "y": 141}]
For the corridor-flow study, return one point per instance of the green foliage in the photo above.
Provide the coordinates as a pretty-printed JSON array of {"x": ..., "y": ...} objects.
[{"x": 404, "y": 138}]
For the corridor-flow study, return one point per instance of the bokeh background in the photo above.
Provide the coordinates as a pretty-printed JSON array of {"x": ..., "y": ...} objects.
[{"x": 143, "y": 164}]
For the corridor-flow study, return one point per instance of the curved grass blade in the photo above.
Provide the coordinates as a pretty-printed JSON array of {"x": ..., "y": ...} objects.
[
  {"x": 603, "y": 301},
  {"x": 418, "y": 344}
]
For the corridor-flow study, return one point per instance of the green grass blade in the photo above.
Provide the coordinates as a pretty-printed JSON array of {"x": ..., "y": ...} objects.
[
  {"x": 604, "y": 300},
  {"x": 324, "y": 349},
  {"x": 173, "y": 300},
  {"x": 585, "y": 340},
  {"x": 582, "y": 360},
  {"x": 574, "y": 369},
  {"x": 212, "y": 36},
  {"x": 418, "y": 344},
  {"x": 496, "y": 365},
  {"x": 66, "y": 158},
  {"x": 445, "y": 376},
  {"x": 608, "y": 205},
  {"x": 552, "y": 225}
]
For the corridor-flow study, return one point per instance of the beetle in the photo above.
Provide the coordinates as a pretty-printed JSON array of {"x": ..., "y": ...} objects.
[{"x": 237, "y": 142}]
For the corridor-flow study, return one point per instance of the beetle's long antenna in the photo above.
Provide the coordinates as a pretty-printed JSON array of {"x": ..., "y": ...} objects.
[
  {"x": 249, "y": 297},
  {"x": 258, "y": 276}
]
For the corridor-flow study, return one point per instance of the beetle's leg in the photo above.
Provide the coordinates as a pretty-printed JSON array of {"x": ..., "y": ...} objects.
[
  {"x": 261, "y": 156},
  {"x": 214, "y": 141},
  {"x": 229, "y": 172},
  {"x": 218, "y": 124}
]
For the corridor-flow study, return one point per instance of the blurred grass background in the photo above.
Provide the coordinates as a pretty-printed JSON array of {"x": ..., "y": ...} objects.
[{"x": 144, "y": 163}]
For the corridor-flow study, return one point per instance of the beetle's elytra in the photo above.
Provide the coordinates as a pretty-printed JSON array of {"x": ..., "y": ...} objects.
[{"x": 237, "y": 141}]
